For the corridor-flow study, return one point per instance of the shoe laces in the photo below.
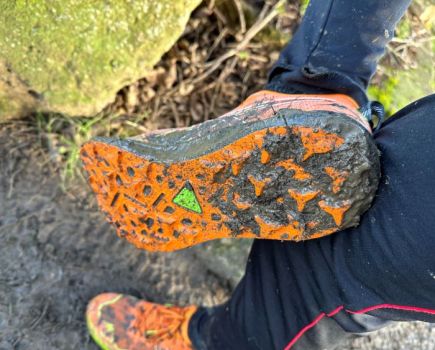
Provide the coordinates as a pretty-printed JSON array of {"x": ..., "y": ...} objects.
[
  {"x": 173, "y": 321},
  {"x": 374, "y": 108}
]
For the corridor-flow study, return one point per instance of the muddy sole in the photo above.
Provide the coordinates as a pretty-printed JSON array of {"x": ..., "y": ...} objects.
[{"x": 294, "y": 176}]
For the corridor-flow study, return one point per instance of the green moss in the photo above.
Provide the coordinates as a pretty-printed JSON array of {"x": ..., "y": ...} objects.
[
  {"x": 404, "y": 86},
  {"x": 78, "y": 53},
  {"x": 10, "y": 107},
  {"x": 403, "y": 29},
  {"x": 385, "y": 93},
  {"x": 6, "y": 107},
  {"x": 303, "y": 6},
  {"x": 273, "y": 38}
]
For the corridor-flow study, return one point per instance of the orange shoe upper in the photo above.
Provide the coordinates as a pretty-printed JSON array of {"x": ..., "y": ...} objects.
[
  {"x": 266, "y": 103},
  {"x": 338, "y": 103},
  {"x": 121, "y": 322}
]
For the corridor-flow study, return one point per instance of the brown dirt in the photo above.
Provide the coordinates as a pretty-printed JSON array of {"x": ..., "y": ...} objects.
[{"x": 57, "y": 252}]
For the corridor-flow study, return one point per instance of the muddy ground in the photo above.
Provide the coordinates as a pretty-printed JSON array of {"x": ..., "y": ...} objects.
[{"x": 56, "y": 252}]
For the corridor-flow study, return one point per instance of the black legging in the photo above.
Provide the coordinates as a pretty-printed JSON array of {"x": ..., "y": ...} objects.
[{"x": 315, "y": 294}]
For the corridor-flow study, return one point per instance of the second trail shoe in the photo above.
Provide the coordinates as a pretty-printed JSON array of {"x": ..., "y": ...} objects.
[
  {"x": 285, "y": 167},
  {"x": 122, "y": 322}
]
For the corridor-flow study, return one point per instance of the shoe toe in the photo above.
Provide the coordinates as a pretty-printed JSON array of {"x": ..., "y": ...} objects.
[{"x": 101, "y": 319}]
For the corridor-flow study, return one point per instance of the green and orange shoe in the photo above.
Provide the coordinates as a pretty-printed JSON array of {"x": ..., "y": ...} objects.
[
  {"x": 279, "y": 166},
  {"x": 122, "y": 322}
]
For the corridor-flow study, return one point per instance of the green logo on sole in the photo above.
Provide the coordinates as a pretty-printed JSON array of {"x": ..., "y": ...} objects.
[{"x": 186, "y": 199}]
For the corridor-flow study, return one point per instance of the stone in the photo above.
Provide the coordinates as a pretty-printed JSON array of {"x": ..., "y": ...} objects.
[
  {"x": 226, "y": 258},
  {"x": 72, "y": 56}
]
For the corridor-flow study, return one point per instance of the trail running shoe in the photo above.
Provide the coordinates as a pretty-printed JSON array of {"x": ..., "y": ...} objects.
[
  {"x": 117, "y": 321},
  {"x": 285, "y": 167}
]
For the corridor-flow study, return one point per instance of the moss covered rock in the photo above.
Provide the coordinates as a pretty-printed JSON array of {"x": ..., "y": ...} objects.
[{"x": 72, "y": 56}]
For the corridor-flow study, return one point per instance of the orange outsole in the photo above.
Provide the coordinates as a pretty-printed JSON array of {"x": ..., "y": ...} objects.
[
  {"x": 139, "y": 194},
  {"x": 286, "y": 167}
]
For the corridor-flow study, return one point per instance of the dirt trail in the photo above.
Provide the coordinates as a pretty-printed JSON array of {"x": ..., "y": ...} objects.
[{"x": 56, "y": 252}]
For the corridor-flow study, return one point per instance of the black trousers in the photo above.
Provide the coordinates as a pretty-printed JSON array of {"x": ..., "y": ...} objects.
[{"x": 315, "y": 294}]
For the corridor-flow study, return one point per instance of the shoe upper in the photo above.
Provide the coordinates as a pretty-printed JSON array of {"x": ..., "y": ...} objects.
[
  {"x": 121, "y": 322},
  {"x": 257, "y": 109},
  {"x": 264, "y": 104}
]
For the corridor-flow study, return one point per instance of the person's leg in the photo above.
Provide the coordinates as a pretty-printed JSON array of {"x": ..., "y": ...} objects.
[
  {"x": 314, "y": 294},
  {"x": 317, "y": 293},
  {"x": 336, "y": 47}
]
